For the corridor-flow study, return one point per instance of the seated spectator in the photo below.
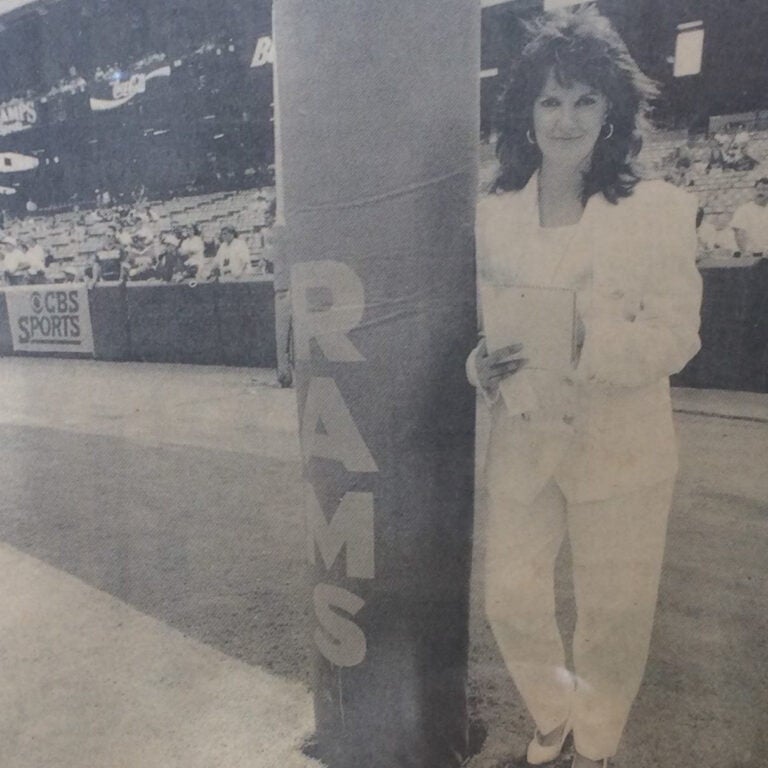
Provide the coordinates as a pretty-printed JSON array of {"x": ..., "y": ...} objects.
[
  {"x": 233, "y": 258},
  {"x": 699, "y": 159},
  {"x": 108, "y": 262},
  {"x": 680, "y": 161},
  {"x": 35, "y": 256},
  {"x": 145, "y": 231},
  {"x": 12, "y": 257},
  {"x": 263, "y": 266},
  {"x": 713, "y": 240},
  {"x": 202, "y": 265},
  {"x": 733, "y": 144},
  {"x": 23, "y": 264},
  {"x": 750, "y": 222},
  {"x": 192, "y": 250},
  {"x": 210, "y": 243},
  {"x": 56, "y": 272},
  {"x": 259, "y": 239},
  {"x": 742, "y": 138},
  {"x": 714, "y": 154},
  {"x": 737, "y": 156},
  {"x": 141, "y": 256},
  {"x": 170, "y": 264}
]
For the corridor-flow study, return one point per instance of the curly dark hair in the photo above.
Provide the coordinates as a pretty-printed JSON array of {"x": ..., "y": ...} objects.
[{"x": 577, "y": 46}]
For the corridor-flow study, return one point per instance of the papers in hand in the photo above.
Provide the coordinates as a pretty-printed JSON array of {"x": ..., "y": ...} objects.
[{"x": 542, "y": 319}]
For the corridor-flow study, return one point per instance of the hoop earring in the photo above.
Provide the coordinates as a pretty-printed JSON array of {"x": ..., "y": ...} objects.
[
  {"x": 530, "y": 138},
  {"x": 610, "y": 132}
]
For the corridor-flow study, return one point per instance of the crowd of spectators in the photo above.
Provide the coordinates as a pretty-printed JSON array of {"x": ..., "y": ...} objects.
[
  {"x": 722, "y": 169},
  {"x": 744, "y": 233},
  {"x": 135, "y": 248},
  {"x": 725, "y": 150},
  {"x": 730, "y": 149}
]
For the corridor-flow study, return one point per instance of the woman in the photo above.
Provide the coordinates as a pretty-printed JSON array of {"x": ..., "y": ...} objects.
[{"x": 588, "y": 448}]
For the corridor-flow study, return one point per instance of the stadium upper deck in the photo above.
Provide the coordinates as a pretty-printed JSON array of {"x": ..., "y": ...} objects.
[
  {"x": 132, "y": 99},
  {"x": 662, "y": 35}
]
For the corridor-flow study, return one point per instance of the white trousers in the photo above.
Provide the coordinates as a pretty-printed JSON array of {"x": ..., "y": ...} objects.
[{"x": 617, "y": 546}]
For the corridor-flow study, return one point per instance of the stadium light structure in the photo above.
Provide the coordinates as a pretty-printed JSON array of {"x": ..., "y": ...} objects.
[
  {"x": 377, "y": 116},
  {"x": 689, "y": 49}
]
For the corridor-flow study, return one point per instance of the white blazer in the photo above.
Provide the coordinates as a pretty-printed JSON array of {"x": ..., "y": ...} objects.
[{"x": 641, "y": 326}]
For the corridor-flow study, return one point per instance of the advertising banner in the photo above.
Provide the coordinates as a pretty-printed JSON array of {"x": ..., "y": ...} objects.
[
  {"x": 17, "y": 115},
  {"x": 49, "y": 318},
  {"x": 120, "y": 88}
]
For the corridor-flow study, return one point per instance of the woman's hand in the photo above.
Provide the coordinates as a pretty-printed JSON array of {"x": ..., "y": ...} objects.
[{"x": 492, "y": 367}]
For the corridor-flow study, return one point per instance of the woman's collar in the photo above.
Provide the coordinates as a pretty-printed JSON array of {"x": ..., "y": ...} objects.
[{"x": 530, "y": 195}]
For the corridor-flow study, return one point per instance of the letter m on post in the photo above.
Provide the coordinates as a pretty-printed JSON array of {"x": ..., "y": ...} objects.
[{"x": 350, "y": 528}]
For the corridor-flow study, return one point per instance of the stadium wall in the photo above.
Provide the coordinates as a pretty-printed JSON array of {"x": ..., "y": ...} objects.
[{"x": 226, "y": 323}]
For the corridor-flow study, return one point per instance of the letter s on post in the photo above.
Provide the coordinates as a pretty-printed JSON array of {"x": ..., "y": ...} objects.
[{"x": 344, "y": 644}]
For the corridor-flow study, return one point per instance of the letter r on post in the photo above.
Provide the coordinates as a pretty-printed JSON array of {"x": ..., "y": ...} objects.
[{"x": 328, "y": 302}]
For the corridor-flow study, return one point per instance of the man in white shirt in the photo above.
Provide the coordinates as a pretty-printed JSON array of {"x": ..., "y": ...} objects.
[
  {"x": 750, "y": 222},
  {"x": 35, "y": 256},
  {"x": 192, "y": 252},
  {"x": 25, "y": 263},
  {"x": 712, "y": 239},
  {"x": 233, "y": 257},
  {"x": 13, "y": 257}
]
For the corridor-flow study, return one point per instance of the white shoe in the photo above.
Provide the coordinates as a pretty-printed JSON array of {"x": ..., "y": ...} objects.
[{"x": 538, "y": 753}]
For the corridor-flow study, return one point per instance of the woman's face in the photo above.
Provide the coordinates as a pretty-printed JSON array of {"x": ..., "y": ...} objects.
[{"x": 568, "y": 121}]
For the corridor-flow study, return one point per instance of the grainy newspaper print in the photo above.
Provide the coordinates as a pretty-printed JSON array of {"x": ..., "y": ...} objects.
[{"x": 383, "y": 384}]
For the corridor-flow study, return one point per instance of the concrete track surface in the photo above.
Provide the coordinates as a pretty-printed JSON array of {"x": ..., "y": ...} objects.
[{"x": 155, "y": 611}]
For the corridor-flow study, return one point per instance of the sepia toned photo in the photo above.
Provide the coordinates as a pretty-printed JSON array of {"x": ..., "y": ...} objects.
[{"x": 383, "y": 384}]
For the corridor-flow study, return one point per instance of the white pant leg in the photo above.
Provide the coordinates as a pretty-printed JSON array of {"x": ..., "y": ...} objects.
[
  {"x": 618, "y": 547},
  {"x": 523, "y": 542}
]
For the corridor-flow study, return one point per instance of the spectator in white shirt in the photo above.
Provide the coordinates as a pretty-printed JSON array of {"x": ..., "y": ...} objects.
[
  {"x": 233, "y": 257},
  {"x": 192, "y": 252},
  {"x": 713, "y": 239},
  {"x": 750, "y": 222},
  {"x": 25, "y": 263},
  {"x": 35, "y": 256},
  {"x": 13, "y": 257}
]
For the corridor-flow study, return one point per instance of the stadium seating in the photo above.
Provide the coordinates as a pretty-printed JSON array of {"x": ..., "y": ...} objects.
[
  {"x": 75, "y": 235},
  {"x": 719, "y": 191}
]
